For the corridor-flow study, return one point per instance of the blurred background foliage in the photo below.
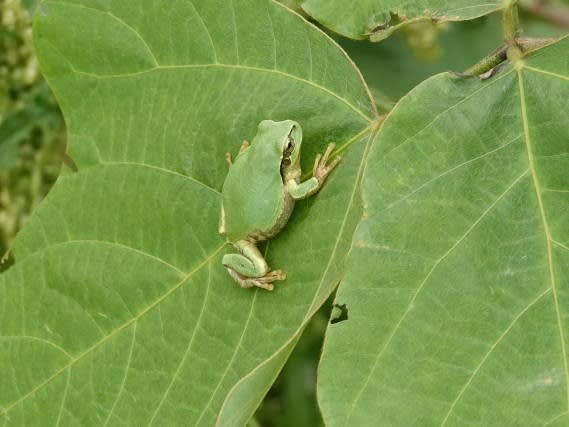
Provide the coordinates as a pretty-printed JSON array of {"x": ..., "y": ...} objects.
[
  {"x": 32, "y": 140},
  {"x": 32, "y": 136}
]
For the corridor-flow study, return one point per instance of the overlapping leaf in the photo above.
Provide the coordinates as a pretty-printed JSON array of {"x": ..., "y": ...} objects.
[
  {"x": 392, "y": 69},
  {"x": 118, "y": 310},
  {"x": 458, "y": 284},
  {"x": 377, "y": 19}
]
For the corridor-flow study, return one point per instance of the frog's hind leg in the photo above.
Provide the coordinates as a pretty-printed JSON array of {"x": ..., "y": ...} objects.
[
  {"x": 249, "y": 268},
  {"x": 249, "y": 262},
  {"x": 264, "y": 282}
]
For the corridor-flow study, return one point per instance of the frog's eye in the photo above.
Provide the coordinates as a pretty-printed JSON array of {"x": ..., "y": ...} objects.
[{"x": 289, "y": 147}]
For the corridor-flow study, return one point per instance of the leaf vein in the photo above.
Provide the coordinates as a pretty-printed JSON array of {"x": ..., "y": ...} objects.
[
  {"x": 452, "y": 170},
  {"x": 236, "y": 42},
  {"x": 230, "y": 363},
  {"x": 442, "y": 113},
  {"x": 118, "y": 245},
  {"x": 490, "y": 350},
  {"x": 554, "y": 419},
  {"x": 347, "y": 57},
  {"x": 158, "y": 168},
  {"x": 206, "y": 30},
  {"x": 120, "y": 21},
  {"x": 38, "y": 339},
  {"x": 64, "y": 398},
  {"x": 127, "y": 367},
  {"x": 186, "y": 352},
  {"x": 227, "y": 66},
  {"x": 561, "y": 245},
  {"x": 113, "y": 333},
  {"x": 421, "y": 287},
  {"x": 342, "y": 226},
  {"x": 547, "y": 73},
  {"x": 270, "y": 20},
  {"x": 548, "y": 238}
]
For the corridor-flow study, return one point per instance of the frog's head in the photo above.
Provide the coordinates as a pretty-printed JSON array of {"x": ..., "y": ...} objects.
[{"x": 285, "y": 138}]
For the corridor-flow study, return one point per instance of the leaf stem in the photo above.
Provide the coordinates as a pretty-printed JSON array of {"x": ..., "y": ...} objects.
[
  {"x": 488, "y": 63},
  {"x": 522, "y": 45},
  {"x": 510, "y": 22}
]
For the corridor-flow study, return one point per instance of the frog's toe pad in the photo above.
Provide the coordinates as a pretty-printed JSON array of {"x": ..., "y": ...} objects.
[
  {"x": 265, "y": 281},
  {"x": 260, "y": 282},
  {"x": 273, "y": 276}
]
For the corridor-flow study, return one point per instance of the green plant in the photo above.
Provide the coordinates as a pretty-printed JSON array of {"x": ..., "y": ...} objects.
[
  {"x": 444, "y": 228},
  {"x": 31, "y": 132}
]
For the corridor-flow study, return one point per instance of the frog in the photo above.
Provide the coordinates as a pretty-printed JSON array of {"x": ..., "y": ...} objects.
[{"x": 259, "y": 194}]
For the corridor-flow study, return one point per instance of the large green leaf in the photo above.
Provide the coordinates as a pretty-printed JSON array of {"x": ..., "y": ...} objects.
[
  {"x": 360, "y": 19},
  {"x": 457, "y": 288},
  {"x": 118, "y": 310}
]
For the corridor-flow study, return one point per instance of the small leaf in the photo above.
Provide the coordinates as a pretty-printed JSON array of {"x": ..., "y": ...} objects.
[
  {"x": 377, "y": 19},
  {"x": 458, "y": 276},
  {"x": 118, "y": 310}
]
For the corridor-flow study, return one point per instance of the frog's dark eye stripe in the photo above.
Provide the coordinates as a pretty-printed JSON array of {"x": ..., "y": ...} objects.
[
  {"x": 289, "y": 148},
  {"x": 285, "y": 163}
]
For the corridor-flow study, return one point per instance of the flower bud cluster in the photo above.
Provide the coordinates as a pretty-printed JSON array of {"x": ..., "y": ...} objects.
[{"x": 18, "y": 65}]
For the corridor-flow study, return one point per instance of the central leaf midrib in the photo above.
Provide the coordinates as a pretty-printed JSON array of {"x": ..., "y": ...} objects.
[{"x": 544, "y": 220}]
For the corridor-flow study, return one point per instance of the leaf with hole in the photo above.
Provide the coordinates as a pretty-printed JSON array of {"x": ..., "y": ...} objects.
[
  {"x": 118, "y": 309},
  {"x": 462, "y": 317}
]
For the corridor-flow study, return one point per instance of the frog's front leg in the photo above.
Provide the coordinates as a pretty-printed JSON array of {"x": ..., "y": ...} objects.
[
  {"x": 243, "y": 147},
  {"x": 249, "y": 268},
  {"x": 320, "y": 172}
]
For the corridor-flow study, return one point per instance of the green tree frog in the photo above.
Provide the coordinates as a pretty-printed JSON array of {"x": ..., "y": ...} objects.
[{"x": 258, "y": 197}]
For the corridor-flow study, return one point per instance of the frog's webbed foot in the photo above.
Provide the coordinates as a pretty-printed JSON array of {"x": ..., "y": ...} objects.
[
  {"x": 321, "y": 169},
  {"x": 249, "y": 268},
  {"x": 264, "y": 282}
]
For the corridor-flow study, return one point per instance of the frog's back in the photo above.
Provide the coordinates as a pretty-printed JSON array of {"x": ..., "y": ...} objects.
[{"x": 253, "y": 196}]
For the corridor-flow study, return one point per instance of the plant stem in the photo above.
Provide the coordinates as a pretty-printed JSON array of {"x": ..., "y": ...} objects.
[
  {"x": 488, "y": 63},
  {"x": 510, "y": 22},
  {"x": 522, "y": 44}
]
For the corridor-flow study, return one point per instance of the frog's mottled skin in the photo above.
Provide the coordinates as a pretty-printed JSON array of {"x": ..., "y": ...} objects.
[{"x": 259, "y": 194}]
